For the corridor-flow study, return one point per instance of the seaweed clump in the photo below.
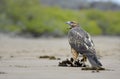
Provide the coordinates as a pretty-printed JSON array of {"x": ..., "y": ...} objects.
[
  {"x": 71, "y": 63},
  {"x": 49, "y": 57}
]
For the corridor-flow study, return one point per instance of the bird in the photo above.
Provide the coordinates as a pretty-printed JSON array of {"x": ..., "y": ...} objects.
[{"x": 81, "y": 43}]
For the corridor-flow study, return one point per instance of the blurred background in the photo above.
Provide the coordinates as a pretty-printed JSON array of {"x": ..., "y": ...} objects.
[
  {"x": 37, "y": 18},
  {"x": 33, "y": 37}
]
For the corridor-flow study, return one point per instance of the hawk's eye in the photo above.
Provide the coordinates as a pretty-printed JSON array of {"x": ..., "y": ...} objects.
[{"x": 72, "y": 22}]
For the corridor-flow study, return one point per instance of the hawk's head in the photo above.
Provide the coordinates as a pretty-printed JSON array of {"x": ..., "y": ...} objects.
[{"x": 72, "y": 24}]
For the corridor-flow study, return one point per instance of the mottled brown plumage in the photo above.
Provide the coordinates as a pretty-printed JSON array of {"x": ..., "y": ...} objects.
[{"x": 81, "y": 43}]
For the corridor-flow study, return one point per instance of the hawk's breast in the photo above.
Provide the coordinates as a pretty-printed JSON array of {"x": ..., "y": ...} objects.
[{"x": 76, "y": 39}]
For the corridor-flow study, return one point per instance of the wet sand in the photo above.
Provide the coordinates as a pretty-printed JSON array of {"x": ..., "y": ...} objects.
[{"x": 19, "y": 58}]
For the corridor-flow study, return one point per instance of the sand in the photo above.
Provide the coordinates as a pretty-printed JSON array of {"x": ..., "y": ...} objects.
[{"x": 19, "y": 58}]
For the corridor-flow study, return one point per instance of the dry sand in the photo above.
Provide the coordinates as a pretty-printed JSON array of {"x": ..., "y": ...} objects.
[{"x": 19, "y": 58}]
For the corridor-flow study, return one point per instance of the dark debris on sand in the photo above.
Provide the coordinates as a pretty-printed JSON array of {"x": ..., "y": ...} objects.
[
  {"x": 49, "y": 57},
  {"x": 70, "y": 63},
  {"x": 92, "y": 68},
  {"x": 3, "y": 73},
  {"x": 78, "y": 63}
]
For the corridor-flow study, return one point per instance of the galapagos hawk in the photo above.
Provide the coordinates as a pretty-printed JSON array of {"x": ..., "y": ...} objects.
[{"x": 81, "y": 43}]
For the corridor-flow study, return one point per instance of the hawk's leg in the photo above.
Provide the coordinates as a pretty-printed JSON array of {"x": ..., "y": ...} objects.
[
  {"x": 84, "y": 59},
  {"x": 75, "y": 54}
]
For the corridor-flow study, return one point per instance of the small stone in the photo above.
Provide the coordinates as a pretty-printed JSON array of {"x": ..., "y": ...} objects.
[
  {"x": 93, "y": 71},
  {"x": 97, "y": 70}
]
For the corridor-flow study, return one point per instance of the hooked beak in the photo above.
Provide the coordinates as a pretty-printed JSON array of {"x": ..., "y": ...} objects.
[{"x": 69, "y": 23}]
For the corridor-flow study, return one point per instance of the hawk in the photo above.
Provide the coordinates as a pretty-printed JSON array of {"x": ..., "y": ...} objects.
[{"x": 81, "y": 43}]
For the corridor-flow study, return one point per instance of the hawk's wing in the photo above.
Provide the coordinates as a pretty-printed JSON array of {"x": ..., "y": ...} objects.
[
  {"x": 79, "y": 38},
  {"x": 88, "y": 42}
]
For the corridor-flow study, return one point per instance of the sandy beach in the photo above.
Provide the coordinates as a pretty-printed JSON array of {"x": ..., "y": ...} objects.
[{"x": 19, "y": 58}]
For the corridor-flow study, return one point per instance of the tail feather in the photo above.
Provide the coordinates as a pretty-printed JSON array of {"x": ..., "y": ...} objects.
[
  {"x": 94, "y": 60},
  {"x": 97, "y": 61}
]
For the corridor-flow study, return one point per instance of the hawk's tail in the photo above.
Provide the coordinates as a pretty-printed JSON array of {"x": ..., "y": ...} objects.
[{"x": 94, "y": 60}]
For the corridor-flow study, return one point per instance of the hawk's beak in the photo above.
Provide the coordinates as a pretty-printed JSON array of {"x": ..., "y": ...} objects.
[{"x": 68, "y": 22}]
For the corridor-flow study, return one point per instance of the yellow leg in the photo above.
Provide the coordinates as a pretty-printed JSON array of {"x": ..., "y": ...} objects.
[
  {"x": 84, "y": 59},
  {"x": 75, "y": 54}
]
